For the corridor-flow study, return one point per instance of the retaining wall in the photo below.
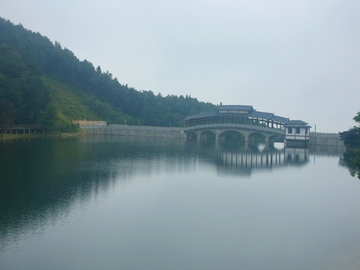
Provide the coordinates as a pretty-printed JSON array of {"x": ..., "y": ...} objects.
[
  {"x": 139, "y": 131},
  {"x": 326, "y": 139}
]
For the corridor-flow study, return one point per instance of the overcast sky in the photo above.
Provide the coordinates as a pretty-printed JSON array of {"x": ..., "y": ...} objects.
[{"x": 297, "y": 59}]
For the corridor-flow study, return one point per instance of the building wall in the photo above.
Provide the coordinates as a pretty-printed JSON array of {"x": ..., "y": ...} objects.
[{"x": 297, "y": 136}]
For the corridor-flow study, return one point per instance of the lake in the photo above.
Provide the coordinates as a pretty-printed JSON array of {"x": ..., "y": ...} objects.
[{"x": 145, "y": 203}]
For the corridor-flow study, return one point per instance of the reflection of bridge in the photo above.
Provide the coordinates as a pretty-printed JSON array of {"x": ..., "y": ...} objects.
[
  {"x": 243, "y": 162},
  {"x": 246, "y": 162}
]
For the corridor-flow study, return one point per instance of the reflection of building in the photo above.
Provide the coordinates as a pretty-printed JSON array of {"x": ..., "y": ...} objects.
[
  {"x": 296, "y": 155},
  {"x": 245, "y": 162},
  {"x": 297, "y": 133}
]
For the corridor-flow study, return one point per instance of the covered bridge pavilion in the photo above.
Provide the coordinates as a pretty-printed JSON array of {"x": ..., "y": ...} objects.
[
  {"x": 236, "y": 114},
  {"x": 242, "y": 116}
]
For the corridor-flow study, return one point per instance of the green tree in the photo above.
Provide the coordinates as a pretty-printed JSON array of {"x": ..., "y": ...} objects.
[
  {"x": 351, "y": 138},
  {"x": 7, "y": 113},
  {"x": 49, "y": 117}
]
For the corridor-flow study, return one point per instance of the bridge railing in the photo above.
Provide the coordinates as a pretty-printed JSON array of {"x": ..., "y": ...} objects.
[
  {"x": 236, "y": 126},
  {"x": 192, "y": 128}
]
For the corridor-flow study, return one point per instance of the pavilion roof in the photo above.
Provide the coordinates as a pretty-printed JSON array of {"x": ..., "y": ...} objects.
[
  {"x": 236, "y": 107},
  {"x": 261, "y": 115},
  {"x": 254, "y": 114},
  {"x": 297, "y": 123}
]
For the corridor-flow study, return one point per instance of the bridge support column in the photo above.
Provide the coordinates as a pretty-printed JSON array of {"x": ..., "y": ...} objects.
[
  {"x": 219, "y": 138},
  {"x": 198, "y": 139},
  {"x": 269, "y": 142},
  {"x": 246, "y": 141}
]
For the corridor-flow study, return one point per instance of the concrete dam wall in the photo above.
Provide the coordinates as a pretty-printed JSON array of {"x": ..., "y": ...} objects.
[
  {"x": 139, "y": 131},
  {"x": 326, "y": 139}
]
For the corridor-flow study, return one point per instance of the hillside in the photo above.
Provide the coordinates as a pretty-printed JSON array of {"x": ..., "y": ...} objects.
[{"x": 43, "y": 83}]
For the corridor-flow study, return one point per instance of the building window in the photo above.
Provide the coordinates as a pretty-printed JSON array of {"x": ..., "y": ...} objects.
[
  {"x": 297, "y": 130},
  {"x": 290, "y": 130},
  {"x": 306, "y": 131}
]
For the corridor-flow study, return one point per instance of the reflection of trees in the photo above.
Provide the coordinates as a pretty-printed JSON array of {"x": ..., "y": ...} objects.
[
  {"x": 41, "y": 179},
  {"x": 351, "y": 139},
  {"x": 327, "y": 150},
  {"x": 351, "y": 159}
]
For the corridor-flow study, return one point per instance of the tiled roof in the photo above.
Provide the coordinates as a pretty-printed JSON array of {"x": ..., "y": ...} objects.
[
  {"x": 235, "y": 107},
  {"x": 254, "y": 114},
  {"x": 280, "y": 119},
  {"x": 297, "y": 123},
  {"x": 262, "y": 115}
]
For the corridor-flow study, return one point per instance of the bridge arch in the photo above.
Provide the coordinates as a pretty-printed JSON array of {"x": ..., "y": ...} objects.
[
  {"x": 207, "y": 135},
  {"x": 232, "y": 135},
  {"x": 257, "y": 137},
  {"x": 191, "y": 136}
]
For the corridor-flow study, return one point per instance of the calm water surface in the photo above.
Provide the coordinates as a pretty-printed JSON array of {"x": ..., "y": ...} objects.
[{"x": 122, "y": 203}]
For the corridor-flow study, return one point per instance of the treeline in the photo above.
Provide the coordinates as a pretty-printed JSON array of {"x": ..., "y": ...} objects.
[{"x": 28, "y": 60}]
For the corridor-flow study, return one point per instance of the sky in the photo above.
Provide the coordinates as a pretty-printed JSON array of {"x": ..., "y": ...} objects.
[{"x": 297, "y": 59}]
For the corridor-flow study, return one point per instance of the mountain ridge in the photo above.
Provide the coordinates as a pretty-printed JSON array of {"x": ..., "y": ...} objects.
[{"x": 41, "y": 82}]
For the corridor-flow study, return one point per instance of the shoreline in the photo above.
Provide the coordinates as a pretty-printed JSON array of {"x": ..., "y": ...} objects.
[{"x": 9, "y": 137}]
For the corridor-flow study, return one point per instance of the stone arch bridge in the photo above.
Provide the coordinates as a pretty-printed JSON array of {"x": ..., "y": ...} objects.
[{"x": 220, "y": 130}]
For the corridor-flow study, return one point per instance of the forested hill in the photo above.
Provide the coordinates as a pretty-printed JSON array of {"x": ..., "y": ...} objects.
[{"x": 43, "y": 83}]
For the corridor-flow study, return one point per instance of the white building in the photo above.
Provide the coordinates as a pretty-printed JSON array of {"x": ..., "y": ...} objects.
[{"x": 297, "y": 133}]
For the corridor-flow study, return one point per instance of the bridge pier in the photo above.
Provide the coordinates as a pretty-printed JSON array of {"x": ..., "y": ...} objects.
[
  {"x": 269, "y": 141},
  {"x": 246, "y": 142},
  {"x": 219, "y": 138}
]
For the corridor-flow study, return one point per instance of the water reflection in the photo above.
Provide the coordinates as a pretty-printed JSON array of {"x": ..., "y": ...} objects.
[
  {"x": 351, "y": 160},
  {"x": 242, "y": 162},
  {"x": 42, "y": 179}
]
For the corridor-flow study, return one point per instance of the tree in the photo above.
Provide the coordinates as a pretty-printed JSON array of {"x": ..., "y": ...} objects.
[
  {"x": 351, "y": 138},
  {"x": 7, "y": 113},
  {"x": 49, "y": 117}
]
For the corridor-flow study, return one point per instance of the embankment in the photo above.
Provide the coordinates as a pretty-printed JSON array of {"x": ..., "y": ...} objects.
[
  {"x": 140, "y": 131},
  {"x": 325, "y": 139}
]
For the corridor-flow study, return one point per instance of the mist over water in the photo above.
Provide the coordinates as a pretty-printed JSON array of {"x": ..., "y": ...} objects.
[{"x": 128, "y": 203}]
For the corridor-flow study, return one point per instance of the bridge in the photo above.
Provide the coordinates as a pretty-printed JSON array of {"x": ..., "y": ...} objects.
[
  {"x": 221, "y": 130},
  {"x": 246, "y": 121}
]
